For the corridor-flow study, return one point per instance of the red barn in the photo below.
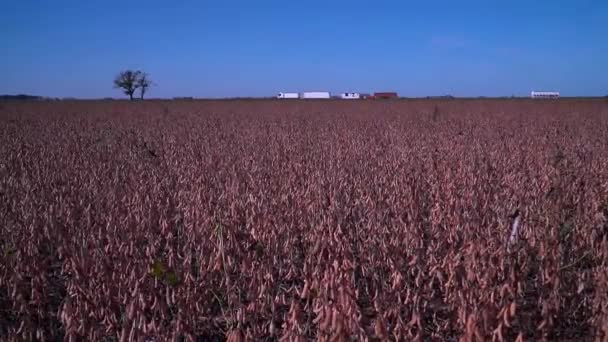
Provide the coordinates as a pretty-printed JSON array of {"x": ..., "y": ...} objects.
[{"x": 385, "y": 95}]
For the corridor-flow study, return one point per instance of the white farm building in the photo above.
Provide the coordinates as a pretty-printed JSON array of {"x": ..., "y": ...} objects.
[
  {"x": 305, "y": 95},
  {"x": 350, "y": 96},
  {"x": 544, "y": 94},
  {"x": 288, "y": 96},
  {"x": 315, "y": 95}
]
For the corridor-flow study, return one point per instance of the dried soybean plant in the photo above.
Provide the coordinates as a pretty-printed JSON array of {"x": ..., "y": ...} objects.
[{"x": 264, "y": 220}]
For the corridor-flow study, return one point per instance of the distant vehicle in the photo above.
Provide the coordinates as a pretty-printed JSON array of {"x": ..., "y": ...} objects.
[
  {"x": 385, "y": 95},
  {"x": 350, "y": 96},
  {"x": 288, "y": 96},
  {"x": 315, "y": 95},
  {"x": 544, "y": 94}
]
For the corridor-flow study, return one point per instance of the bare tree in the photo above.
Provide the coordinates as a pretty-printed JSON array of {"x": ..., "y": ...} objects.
[
  {"x": 128, "y": 81},
  {"x": 143, "y": 83}
]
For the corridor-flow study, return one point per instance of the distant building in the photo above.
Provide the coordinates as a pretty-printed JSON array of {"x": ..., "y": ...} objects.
[
  {"x": 544, "y": 94},
  {"x": 385, "y": 95},
  {"x": 288, "y": 96},
  {"x": 315, "y": 95},
  {"x": 350, "y": 96}
]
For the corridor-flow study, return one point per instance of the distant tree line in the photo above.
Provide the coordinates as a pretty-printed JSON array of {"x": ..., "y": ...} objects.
[
  {"x": 20, "y": 97},
  {"x": 132, "y": 80}
]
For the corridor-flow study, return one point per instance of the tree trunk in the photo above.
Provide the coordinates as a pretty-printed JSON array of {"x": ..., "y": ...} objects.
[{"x": 131, "y": 96}]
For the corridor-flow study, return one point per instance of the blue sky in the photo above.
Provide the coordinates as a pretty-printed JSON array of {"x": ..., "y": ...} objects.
[{"x": 257, "y": 48}]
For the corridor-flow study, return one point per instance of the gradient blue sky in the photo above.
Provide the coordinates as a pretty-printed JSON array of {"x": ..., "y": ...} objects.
[{"x": 257, "y": 48}]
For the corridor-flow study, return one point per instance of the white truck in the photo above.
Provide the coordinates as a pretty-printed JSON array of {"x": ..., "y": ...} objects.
[
  {"x": 315, "y": 95},
  {"x": 350, "y": 96},
  {"x": 288, "y": 96}
]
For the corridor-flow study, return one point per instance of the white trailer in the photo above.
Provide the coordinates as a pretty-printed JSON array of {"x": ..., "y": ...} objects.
[
  {"x": 288, "y": 96},
  {"x": 544, "y": 95},
  {"x": 350, "y": 96},
  {"x": 315, "y": 95}
]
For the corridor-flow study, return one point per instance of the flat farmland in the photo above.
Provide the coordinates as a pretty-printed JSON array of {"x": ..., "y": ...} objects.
[{"x": 412, "y": 220}]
